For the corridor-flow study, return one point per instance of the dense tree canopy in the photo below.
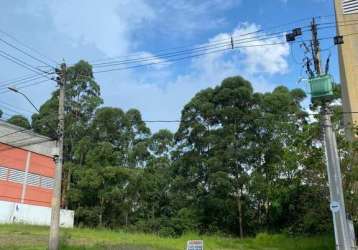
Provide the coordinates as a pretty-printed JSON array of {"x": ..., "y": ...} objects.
[
  {"x": 240, "y": 162},
  {"x": 20, "y": 121}
]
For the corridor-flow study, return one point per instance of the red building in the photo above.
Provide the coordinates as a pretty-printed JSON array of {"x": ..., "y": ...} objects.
[{"x": 27, "y": 167}]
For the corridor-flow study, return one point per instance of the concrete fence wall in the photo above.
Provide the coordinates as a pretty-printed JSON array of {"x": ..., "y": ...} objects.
[{"x": 11, "y": 212}]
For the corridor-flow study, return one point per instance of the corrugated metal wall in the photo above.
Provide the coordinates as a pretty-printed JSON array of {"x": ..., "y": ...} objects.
[{"x": 25, "y": 177}]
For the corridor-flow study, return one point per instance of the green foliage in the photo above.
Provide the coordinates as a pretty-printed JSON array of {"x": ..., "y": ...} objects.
[
  {"x": 20, "y": 121},
  {"x": 240, "y": 163},
  {"x": 27, "y": 237}
]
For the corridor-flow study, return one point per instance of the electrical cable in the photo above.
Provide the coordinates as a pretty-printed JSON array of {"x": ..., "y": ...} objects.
[
  {"x": 226, "y": 43},
  {"x": 20, "y": 78},
  {"x": 16, "y": 108},
  {"x": 10, "y": 109},
  {"x": 293, "y": 56},
  {"x": 22, "y": 63},
  {"x": 335, "y": 26},
  {"x": 18, "y": 85},
  {"x": 193, "y": 45},
  {"x": 20, "y": 81},
  {"x": 156, "y": 57},
  {"x": 200, "y": 54},
  {"x": 185, "y": 57},
  {"x": 26, "y": 86},
  {"x": 25, "y": 53},
  {"x": 199, "y": 48},
  {"x": 27, "y": 46}
]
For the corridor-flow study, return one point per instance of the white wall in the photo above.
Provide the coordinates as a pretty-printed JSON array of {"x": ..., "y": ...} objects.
[{"x": 11, "y": 212}]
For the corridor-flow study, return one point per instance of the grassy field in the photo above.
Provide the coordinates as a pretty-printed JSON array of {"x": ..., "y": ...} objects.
[{"x": 35, "y": 238}]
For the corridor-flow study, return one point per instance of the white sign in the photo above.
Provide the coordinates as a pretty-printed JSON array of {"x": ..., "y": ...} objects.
[
  {"x": 335, "y": 206},
  {"x": 195, "y": 245}
]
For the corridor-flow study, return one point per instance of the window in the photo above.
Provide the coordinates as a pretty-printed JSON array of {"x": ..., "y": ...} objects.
[
  {"x": 3, "y": 173},
  {"x": 18, "y": 176},
  {"x": 350, "y": 7},
  {"x": 47, "y": 182},
  {"x": 33, "y": 179}
]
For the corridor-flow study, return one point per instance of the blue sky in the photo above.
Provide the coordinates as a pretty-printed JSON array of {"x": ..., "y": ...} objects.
[{"x": 93, "y": 30}]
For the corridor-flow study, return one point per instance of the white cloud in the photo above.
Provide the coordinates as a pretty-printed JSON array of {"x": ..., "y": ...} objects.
[
  {"x": 113, "y": 26},
  {"x": 117, "y": 27},
  {"x": 162, "y": 95},
  {"x": 108, "y": 26}
]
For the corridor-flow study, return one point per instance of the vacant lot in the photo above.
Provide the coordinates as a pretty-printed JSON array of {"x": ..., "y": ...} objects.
[{"x": 35, "y": 238}]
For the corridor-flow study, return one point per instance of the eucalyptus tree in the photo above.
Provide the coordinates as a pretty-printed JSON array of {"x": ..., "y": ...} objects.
[{"x": 217, "y": 148}]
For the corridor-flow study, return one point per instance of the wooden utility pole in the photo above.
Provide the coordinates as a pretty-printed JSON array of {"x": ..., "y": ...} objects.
[{"x": 56, "y": 197}]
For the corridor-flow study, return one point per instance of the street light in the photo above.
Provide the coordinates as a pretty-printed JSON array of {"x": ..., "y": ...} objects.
[
  {"x": 17, "y": 91},
  {"x": 13, "y": 89}
]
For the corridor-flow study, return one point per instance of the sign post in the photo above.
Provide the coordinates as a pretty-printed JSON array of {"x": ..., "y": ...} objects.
[{"x": 195, "y": 245}]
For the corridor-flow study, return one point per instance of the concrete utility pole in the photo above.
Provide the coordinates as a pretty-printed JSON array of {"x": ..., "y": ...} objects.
[
  {"x": 341, "y": 232},
  {"x": 56, "y": 197}
]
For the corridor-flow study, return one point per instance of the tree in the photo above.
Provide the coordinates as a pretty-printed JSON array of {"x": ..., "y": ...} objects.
[
  {"x": 240, "y": 162},
  {"x": 20, "y": 121},
  {"x": 82, "y": 97},
  {"x": 216, "y": 144},
  {"x": 125, "y": 132}
]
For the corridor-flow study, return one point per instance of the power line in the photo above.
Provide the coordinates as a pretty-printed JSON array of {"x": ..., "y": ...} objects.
[
  {"x": 27, "y": 46},
  {"x": 22, "y": 63},
  {"x": 19, "y": 78},
  {"x": 19, "y": 83},
  {"x": 26, "y": 86},
  {"x": 10, "y": 109},
  {"x": 108, "y": 60},
  {"x": 184, "y": 57},
  {"x": 227, "y": 44},
  {"x": 197, "y": 48},
  {"x": 25, "y": 53},
  {"x": 191, "y": 55},
  {"x": 335, "y": 26},
  {"x": 193, "y": 45},
  {"x": 214, "y": 45},
  {"x": 201, "y": 54}
]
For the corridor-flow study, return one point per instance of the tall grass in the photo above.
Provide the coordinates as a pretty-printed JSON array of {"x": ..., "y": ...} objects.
[{"x": 35, "y": 238}]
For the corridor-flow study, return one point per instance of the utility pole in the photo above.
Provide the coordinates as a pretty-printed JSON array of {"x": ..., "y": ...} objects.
[
  {"x": 56, "y": 197},
  {"x": 341, "y": 232}
]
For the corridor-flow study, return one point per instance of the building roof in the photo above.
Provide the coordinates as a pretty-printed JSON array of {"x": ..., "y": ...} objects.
[{"x": 23, "y": 138}]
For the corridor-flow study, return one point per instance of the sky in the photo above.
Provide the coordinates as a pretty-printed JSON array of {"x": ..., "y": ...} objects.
[{"x": 93, "y": 30}]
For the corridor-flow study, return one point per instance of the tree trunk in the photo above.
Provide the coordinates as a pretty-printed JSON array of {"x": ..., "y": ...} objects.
[
  {"x": 239, "y": 207},
  {"x": 100, "y": 219},
  {"x": 259, "y": 212},
  {"x": 66, "y": 182},
  {"x": 100, "y": 216}
]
